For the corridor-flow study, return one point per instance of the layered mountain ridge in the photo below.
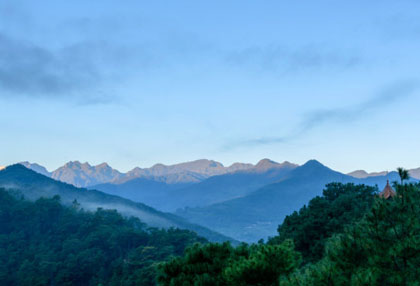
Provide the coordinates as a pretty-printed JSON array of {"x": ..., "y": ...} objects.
[
  {"x": 242, "y": 201},
  {"x": 169, "y": 196},
  {"x": 259, "y": 213},
  {"x": 21, "y": 181},
  {"x": 85, "y": 175}
]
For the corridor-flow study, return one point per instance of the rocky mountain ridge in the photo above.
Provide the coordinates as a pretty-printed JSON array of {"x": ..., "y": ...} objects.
[{"x": 85, "y": 175}]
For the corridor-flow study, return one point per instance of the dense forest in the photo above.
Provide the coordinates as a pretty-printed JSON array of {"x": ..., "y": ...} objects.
[
  {"x": 45, "y": 243},
  {"x": 324, "y": 216},
  {"x": 348, "y": 236}
]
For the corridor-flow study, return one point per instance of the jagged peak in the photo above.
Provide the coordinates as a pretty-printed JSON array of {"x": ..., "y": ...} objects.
[
  {"x": 72, "y": 163},
  {"x": 103, "y": 165},
  {"x": 76, "y": 164},
  {"x": 134, "y": 170},
  {"x": 266, "y": 163}
]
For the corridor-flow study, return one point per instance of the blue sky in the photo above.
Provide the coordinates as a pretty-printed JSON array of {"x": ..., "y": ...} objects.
[{"x": 134, "y": 83}]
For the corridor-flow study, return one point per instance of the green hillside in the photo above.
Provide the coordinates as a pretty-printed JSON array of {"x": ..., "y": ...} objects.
[
  {"x": 347, "y": 236},
  {"x": 45, "y": 243},
  {"x": 34, "y": 186}
]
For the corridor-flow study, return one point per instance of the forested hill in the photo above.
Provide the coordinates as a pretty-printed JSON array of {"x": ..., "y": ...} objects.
[
  {"x": 34, "y": 186},
  {"x": 347, "y": 236},
  {"x": 45, "y": 243}
]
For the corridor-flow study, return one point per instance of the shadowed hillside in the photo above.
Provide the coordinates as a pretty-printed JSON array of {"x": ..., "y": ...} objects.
[
  {"x": 34, "y": 186},
  {"x": 258, "y": 214},
  {"x": 169, "y": 197}
]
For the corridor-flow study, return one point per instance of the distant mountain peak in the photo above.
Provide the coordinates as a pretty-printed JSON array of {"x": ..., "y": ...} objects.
[
  {"x": 36, "y": 167},
  {"x": 312, "y": 168},
  {"x": 83, "y": 174},
  {"x": 362, "y": 174},
  {"x": 313, "y": 163},
  {"x": 205, "y": 163},
  {"x": 266, "y": 164},
  {"x": 103, "y": 165},
  {"x": 75, "y": 164}
]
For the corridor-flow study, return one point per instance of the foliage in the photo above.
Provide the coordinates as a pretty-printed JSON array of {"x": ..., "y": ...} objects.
[
  {"x": 34, "y": 186},
  {"x": 368, "y": 241},
  {"x": 382, "y": 249},
  {"x": 348, "y": 236},
  {"x": 312, "y": 225},
  {"x": 45, "y": 243},
  {"x": 201, "y": 265},
  {"x": 404, "y": 174},
  {"x": 264, "y": 265},
  {"x": 223, "y": 265}
]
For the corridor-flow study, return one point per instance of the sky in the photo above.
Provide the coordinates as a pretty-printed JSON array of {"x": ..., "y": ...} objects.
[{"x": 134, "y": 83}]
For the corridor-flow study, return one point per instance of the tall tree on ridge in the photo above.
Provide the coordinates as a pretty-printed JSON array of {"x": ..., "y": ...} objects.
[{"x": 404, "y": 175}]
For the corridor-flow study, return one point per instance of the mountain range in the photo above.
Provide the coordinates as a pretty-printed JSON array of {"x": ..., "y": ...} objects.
[
  {"x": 259, "y": 213},
  {"x": 242, "y": 201},
  {"x": 84, "y": 175},
  {"x": 158, "y": 193},
  {"x": 23, "y": 182}
]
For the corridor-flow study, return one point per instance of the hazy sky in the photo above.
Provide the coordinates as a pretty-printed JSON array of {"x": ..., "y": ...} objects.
[{"x": 134, "y": 83}]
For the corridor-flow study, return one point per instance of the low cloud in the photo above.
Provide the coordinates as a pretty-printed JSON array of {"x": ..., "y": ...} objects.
[{"x": 399, "y": 91}]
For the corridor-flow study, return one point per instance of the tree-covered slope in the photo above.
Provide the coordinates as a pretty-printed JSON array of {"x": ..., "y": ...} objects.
[
  {"x": 383, "y": 248},
  {"x": 369, "y": 240},
  {"x": 46, "y": 243},
  {"x": 324, "y": 216},
  {"x": 34, "y": 186}
]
